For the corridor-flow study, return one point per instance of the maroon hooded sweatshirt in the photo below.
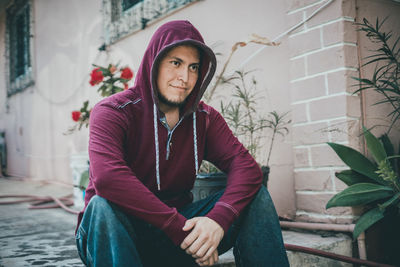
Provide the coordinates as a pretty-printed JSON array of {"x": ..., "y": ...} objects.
[{"x": 147, "y": 169}]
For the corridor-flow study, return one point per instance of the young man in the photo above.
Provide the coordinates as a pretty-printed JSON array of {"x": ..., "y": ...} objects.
[{"x": 145, "y": 148}]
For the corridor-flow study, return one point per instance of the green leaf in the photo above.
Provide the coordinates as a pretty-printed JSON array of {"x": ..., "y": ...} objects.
[
  {"x": 359, "y": 194},
  {"x": 394, "y": 157},
  {"x": 84, "y": 181},
  {"x": 366, "y": 220},
  {"x": 351, "y": 177},
  {"x": 356, "y": 161},
  {"x": 387, "y": 144},
  {"x": 390, "y": 202},
  {"x": 389, "y": 148},
  {"x": 374, "y": 146}
]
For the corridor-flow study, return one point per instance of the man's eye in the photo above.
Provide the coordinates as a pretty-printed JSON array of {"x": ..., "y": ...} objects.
[
  {"x": 175, "y": 63},
  {"x": 194, "y": 68}
]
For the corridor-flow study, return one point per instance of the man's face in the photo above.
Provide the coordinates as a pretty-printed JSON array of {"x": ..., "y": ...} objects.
[{"x": 177, "y": 75}]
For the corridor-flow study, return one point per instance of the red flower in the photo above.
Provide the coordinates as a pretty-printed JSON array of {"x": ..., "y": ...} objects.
[
  {"x": 112, "y": 69},
  {"x": 126, "y": 86},
  {"x": 96, "y": 76},
  {"x": 126, "y": 73},
  {"x": 76, "y": 115}
]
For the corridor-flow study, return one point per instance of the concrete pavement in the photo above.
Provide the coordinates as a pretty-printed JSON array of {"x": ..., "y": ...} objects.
[
  {"x": 36, "y": 237},
  {"x": 46, "y": 237}
]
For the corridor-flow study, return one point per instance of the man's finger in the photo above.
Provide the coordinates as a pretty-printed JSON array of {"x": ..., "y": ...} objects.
[
  {"x": 193, "y": 249},
  {"x": 215, "y": 256},
  {"x": 204, "y": 252},
  {"x": 203, "y": 263},
  {"x": 188, "y": 241},
  {"x": 208, "y": 254}
]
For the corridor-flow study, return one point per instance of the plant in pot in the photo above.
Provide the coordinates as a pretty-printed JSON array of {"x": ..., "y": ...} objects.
[
  {"x": 376, "y": 185},
  {"x": 373, "y": 185},
  {"x": 110, "y": 80},
  {"x": 243, "y": 119},
  {"x": 247, "y": 125}
]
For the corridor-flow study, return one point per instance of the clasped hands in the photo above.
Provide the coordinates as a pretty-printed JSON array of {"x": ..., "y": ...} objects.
[{"x": 203, "y": 240}]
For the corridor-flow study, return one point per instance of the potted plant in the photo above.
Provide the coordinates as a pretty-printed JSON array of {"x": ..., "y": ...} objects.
[
  {"x": 376, "y": 185},
  {"x": 246, "y": 123},
  {"x": 110, "y": 80}
]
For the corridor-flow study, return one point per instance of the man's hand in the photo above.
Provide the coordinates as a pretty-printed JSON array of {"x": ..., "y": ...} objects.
[
  {"x": 203, "y": 240},
  {"x": 210, "y": 261}
]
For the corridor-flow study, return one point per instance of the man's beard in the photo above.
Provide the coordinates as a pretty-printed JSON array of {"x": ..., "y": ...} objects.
[{"x": 170, "y": 103}]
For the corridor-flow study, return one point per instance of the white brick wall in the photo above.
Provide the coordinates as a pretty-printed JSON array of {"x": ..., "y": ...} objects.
[{"x": 323, "y": 59}]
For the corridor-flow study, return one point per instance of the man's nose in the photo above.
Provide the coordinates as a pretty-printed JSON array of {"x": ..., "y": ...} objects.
[{"x": 183, "y": 74}]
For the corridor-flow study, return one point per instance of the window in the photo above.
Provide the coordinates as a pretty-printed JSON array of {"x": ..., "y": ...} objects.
[
  {"x": 123, "y": 17},
  {"x": 126, "y": 4},
  {"x": 18, "y": 46}
]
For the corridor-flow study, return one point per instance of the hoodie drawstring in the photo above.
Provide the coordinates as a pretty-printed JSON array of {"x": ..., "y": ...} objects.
[
  {"x": 157, "y": 147},
  {"x": 196, "y": 159}
]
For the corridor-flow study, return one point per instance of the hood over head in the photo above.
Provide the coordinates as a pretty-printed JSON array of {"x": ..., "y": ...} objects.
[{"x": 168, "y": 36}]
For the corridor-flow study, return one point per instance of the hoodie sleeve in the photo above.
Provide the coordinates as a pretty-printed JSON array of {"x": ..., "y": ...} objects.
[
  {"x": 244, "y": 175},
  {"x": 115, "y": 181}
]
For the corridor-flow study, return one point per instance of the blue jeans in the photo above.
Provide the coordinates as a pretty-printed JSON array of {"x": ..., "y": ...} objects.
[{"x": 109, "y": 237}]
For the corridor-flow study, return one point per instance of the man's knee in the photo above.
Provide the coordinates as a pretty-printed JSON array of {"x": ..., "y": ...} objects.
[
  {"x": 98, "y": 205},
  {"x": 263, "y": 200}
]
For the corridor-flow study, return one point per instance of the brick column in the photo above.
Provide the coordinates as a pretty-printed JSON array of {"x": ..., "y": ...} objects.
[{"x": 323, "y": 54}]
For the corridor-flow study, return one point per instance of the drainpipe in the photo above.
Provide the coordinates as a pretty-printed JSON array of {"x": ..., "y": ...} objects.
[{"x": 330, "y": 227}]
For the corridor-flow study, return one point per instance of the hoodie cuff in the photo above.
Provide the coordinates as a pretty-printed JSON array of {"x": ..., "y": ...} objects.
[
  {"x": 174, "y": 229},
  {"x": 223, "y": 214}
]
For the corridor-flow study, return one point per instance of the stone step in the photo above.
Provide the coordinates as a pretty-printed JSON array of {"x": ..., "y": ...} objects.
[{"x": 335, "y": 243}]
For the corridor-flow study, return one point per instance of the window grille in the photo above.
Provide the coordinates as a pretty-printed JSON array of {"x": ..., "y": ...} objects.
[
  {"x": 18, "y": 44},
  {"x": 126, "y": 4},
  {"x": 124, "y": 17}
]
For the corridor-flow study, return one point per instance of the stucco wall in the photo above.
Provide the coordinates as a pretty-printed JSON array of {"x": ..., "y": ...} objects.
[
  {"x": 66, "y": 37},
  {"x": 309, "y": 74}
]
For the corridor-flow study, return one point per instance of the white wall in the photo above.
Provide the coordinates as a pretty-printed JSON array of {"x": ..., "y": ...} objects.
[{"x": 66, "y": 37}]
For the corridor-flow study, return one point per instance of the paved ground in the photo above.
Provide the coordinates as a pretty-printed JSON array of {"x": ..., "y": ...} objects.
[
  {"x": 36, "y": 237},
  {"x": 46, "y": 237}
]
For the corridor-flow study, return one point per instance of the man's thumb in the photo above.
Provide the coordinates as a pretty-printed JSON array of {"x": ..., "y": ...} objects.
[{"x": 189, "y": 224}]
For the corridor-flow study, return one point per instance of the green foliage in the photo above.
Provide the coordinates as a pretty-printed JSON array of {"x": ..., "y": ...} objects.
[
  {"x": 240, "y": 113},
  {"x": 246, "y": 123},
  {"x": 357, "y": 162},
  {"x": 242, "y": 116},
  {"x": 374, "y": 185},
  {"x": 111, "y": 80},
  {"x": 84, "y": 181},
  {"x": 375, "y": 146},
  {"x": 208, "y": 167},
  {"x": 366, "y": 220},
  {"x": 277, "y": 123},
  {"x": 359, "y": 194},
  {"x": 350, "y": 177},
  {"x": 385, "y": 78}
]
